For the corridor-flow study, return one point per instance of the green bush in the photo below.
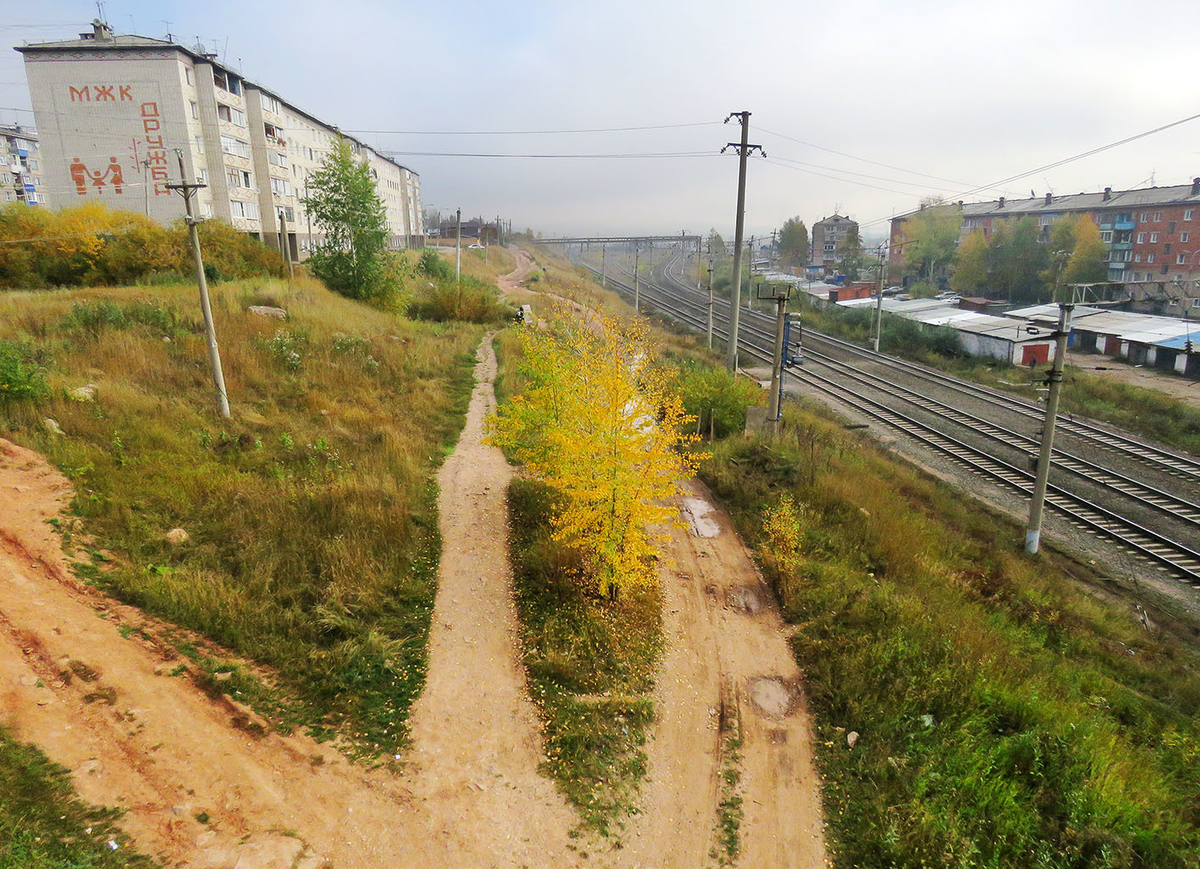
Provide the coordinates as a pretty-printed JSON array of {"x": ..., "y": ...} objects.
[
  {"x": 468, "y": 300},
  {"x": 20, "y": 380},
  {"x": 716, "y": 398},
  {"x": 433, "y": 265}
]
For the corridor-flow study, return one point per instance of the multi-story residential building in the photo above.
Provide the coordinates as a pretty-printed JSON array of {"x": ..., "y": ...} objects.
[
  {"x": 117, "y": 113},
  {"x": 1152, "y": 236},
  {"x": 22, "y": 176},
  {"x": 826, "y": 237}
]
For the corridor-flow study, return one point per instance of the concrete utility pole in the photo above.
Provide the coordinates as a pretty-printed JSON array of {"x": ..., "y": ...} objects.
[
  {"x": 879, "y": 299},
  {"x": 750, "y": 275},
  {"x": 285, "y": 246},
  {"x": 458, "y": 244},
  {"x": 146, "y": 186},
  {"x": 637, "y": 301},
  {"x": 604, "y": 265},
  {"x": 710, "y": 305},
  {"x": 1034, "y": 533},
  {"x": 743, "y": 149},
  {"x": 210, "y": 333},
  {"x": 780, "y": 296}
]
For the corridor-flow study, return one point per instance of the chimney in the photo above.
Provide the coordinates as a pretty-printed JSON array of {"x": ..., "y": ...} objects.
[
  {"x": 1001, "y": 205},
  {"x": 1196, "y": 186},
  {"x": 1048, "y": 196},
  {"x": 1107, "y": 193}
]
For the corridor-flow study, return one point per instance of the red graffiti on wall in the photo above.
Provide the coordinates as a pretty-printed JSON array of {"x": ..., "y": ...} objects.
[
  {"x": 101, "y": 93},
  {"x": 156, "y": 150},
  {"x": 111, "y": 174}
]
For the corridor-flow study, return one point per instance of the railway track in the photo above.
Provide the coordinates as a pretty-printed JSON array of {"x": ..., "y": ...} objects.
[{"x": 756, "y": 337}]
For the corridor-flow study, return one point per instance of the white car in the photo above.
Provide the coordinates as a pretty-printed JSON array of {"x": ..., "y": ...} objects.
[{"x": 476, "y": 246}]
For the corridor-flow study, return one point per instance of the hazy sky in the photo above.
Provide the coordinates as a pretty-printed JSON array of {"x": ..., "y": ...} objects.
[{"x": 968, "y": 92}]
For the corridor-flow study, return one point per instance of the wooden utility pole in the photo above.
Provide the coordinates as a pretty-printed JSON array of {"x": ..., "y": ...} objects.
[
  {"x": 780, "y": 296},
  {"x": 188, "y": 190},
  {"x": 458, "y": 244},
  {"x": 1033, "y": 533}
]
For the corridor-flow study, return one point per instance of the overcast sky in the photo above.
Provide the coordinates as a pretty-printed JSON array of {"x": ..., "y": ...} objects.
[{"x": 968, "y": 92}]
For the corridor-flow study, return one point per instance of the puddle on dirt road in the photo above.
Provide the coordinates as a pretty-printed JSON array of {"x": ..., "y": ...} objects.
[{"x": 696, "y": 510}]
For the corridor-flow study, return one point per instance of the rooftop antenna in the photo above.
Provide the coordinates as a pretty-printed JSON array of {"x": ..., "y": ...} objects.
[
  {"x": 225, "y": 50},
  {"x": 171, "y": 38},
  {"x": 100, "y": 12},
  {"x": 132, "y": 23}
]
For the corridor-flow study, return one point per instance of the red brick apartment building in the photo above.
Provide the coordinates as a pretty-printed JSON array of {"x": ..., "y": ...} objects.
[{"x": 1152, "y": 235}]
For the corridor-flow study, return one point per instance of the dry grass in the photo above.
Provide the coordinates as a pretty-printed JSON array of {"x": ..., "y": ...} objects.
[{"x": 313, "y": 531}]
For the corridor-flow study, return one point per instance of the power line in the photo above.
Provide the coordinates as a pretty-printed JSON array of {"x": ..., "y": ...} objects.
[
  {"x": 618, "y": 156},
  {"x": 799, "y": 163},
  {"x": 779, "y": 162},
  {"x": 862, "y": 159},
  {"x": 532, "y": 132},
  {"x": 1063, "y": 162}
]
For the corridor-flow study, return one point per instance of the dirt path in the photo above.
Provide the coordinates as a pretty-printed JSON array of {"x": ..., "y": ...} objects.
[
  {"x": 476, "y": 738},
  {"x": 727, "y": 659},
  {"x": 511, "y": 282}
]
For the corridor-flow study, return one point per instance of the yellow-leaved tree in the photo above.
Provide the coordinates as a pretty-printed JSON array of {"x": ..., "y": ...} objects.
[{"x": 599, "y": 423}]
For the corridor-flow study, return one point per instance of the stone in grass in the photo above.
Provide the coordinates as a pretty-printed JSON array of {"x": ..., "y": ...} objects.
[
  {"x": 269, "y": 311},
  {"x": 852, "y": 738},
  {"x": 84, "y": 393},
  {"x": 177, "y": 536},
  {"x": 51, "y": 425}
]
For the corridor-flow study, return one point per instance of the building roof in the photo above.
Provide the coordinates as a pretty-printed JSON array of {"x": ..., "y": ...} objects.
[{"x": 1180, "y": 194}]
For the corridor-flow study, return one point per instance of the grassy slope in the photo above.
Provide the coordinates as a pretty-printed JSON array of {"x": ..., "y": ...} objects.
[
  {"x": 1147, "y": 412},
  {"x": 313, "y": 530},
  {"x": 1062, "y": 733}
]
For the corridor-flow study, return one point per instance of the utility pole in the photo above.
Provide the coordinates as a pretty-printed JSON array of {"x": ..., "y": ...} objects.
[
  {"x": 879, "y": 299},
  {"x": 1034, "y": 532},
  {"x": 710, "y": 305},
  {"x": 743, "y": 149},
  {"x": 780, "y": 296},
  {"x": 210, "y": 333},
  {"x": 637, "y": 303},
  {"x": 285, "y": 247},
  {"x": 603, "y": 265},
  {"x": 146, "y": 186},
  {"x": 750, "y": 276},
  {"x": 458, "y": 245}
]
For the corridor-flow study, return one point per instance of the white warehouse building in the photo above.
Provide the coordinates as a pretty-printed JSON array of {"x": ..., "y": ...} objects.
[{"x": 112, "y": 111}]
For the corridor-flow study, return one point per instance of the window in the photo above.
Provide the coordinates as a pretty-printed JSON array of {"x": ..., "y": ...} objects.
[
  {"x": 1167, "y": 247},
  {"x": 1149, "y": 257},
  {"x": 187, "y": 74},
  {"x": 270, "y": 104},
  {"x": 1106, "y": 236},
  {"x": 1187, "y": 215},
  {"x": 1158, "y": 217},
  {"x": 234, "y": 116},
  {"x": 219, "y": 80},
  {"x": 289, "y": 214},
  {"x": 1141, "y": 238},
  {"x": 1181, "y": 259},
  {"x": 200, "y": 144},
  {"x": 1137, "y": 257},
  {"x": 33, "y": 167},
  {"x": 1153, "y": 237},
  {"x": 234, "y": 146},
  {"x": 281, "y": 187},
  {"x": 1184, "y": 236},
  {"x": 1171, "y": 226},
  {"x": 248, "y": 210},
  {"x": 203, "y": 176},
  {"x": 277, "y": 159},
  {"x": 238, "y": 177},
  {"x": 1196, "y": 303},
  {"x": 195, "y": 112},
  {"x": 1145, "y": 217},
  {"x": 206, "y": 209}
]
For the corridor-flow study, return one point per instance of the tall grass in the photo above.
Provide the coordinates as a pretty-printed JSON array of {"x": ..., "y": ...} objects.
[
  {"x": 311, "y": 513},
  {"x": 1006, "y": 718}
]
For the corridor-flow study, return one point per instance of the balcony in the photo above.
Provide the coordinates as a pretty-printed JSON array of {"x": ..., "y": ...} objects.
[
  {"x": 1117, "y": 266},
  {"x": 1121, "y": 245},
  {"x": 1124, "y": 224}
]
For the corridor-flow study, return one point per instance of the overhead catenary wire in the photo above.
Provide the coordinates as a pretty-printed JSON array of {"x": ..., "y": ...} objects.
[{"x": 533, "y": 132}]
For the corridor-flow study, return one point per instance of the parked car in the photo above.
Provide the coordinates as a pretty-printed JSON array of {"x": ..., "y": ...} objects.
[{"x": 475, "y": 246}]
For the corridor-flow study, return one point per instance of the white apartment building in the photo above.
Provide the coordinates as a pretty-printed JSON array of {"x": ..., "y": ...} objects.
[
  {"x": 114, "y": 112},
  {"x": 22, "y": 176}
]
